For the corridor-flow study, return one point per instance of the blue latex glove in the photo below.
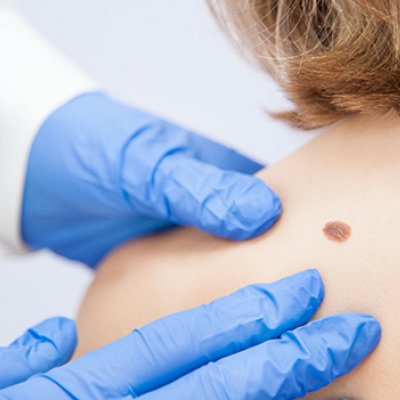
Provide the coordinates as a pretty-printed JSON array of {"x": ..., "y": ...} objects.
[
  {"x": 245, "y": 346},
  {"x": 101, "y": 173},
  {"x": 41, "y": 348}
]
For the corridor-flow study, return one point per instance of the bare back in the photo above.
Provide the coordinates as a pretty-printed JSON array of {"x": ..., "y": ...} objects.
[{"x": 350, "y": 175}]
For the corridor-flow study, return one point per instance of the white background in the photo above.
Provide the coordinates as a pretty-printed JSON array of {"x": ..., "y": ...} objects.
[{"x": 166, "y": 56}]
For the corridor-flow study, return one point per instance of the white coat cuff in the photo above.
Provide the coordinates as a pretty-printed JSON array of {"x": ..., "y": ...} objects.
[{"x": 35, "y": 79}]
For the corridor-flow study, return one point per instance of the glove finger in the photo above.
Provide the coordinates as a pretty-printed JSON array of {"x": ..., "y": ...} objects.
[
  {"x": 224, "y": 203},
  {"x": 162, "y": 176},
  {"x": 301, "y": 362},
  {"x": 173, "y": 346},
  {"x": 220, "y": 156},
  {"x": 42, "y": 347}
]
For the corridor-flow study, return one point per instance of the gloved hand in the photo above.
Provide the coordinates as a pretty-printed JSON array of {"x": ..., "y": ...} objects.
[
  {"x": 41, "y": 348},
  {"x": 101, "y": 173},
  {"x": 246, "y": 346}
]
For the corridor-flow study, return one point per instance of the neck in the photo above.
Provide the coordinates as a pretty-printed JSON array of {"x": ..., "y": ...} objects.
[
  {"x": 360, "y": 144},
  {"x": 365, "y": 138}
]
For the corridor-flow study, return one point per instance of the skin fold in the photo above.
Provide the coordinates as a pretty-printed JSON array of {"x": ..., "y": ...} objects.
[{"x": 350, "y": 173}]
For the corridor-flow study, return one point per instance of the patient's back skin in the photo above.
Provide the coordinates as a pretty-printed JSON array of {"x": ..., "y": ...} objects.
[{"x": 349, "y": 175}]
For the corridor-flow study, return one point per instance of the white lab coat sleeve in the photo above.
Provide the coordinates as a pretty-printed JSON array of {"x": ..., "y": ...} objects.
[{"x": 35, "y": 79}]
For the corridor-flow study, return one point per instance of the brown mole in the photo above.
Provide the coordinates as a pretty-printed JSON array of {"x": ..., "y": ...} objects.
[{"x": 337, "y": 231}]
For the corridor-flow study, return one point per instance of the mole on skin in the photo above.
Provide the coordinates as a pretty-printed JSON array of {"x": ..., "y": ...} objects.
[{"x": 337, "y": 231}]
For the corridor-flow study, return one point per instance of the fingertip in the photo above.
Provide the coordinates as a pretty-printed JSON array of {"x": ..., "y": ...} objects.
[
  {"x": 41, "y": 348},
  {"x": 313, "y": 280},
  {"x": 307, "y": 287},
  {"x": 56, "y": 339},
  {"x": 289, "y": 302},
  {"x": 317, "y": 285},
  {"x": 347, "y": 340},
  {"x": 68, "y": 334},
  {"x": 357, "y": 336},
  {"x": 252, "y": 211},
  {"x": 224, "y": 203},
  {"x": 368, "y": 331},
  {"x": 361, "y": 328}
]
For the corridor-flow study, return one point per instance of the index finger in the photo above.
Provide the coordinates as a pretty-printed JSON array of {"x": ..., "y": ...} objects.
[{"x": 165, "y": 175}]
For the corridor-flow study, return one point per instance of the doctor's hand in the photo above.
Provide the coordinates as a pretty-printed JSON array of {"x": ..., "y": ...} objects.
[
  {"x": 41, "y": 348},
  {"x": 101, "y": 173},
  {"x": 252, "y": 344}
]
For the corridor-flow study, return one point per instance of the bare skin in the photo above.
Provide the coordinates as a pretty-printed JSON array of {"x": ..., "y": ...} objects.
[{"x": 348, "y": 174}]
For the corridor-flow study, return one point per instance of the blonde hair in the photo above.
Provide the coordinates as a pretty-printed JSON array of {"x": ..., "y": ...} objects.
[{"x": 332, "y": 57}]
